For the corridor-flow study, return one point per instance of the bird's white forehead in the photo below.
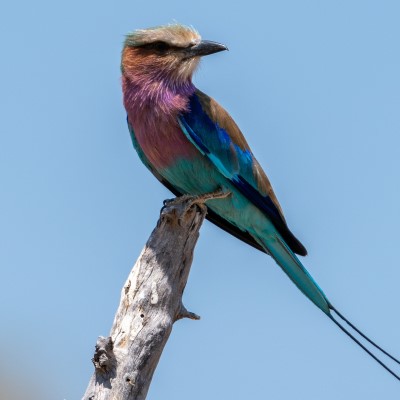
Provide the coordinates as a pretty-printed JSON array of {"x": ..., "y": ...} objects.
[{"x": 174, "y": 34}]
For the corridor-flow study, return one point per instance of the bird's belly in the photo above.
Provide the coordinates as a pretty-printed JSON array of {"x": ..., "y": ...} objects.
[
  {"x": 182, "y": 165},
  {"x": 176, "y": 159},
  {"x": 163, "y": 143},
  {"x": 199, "y": 176}
]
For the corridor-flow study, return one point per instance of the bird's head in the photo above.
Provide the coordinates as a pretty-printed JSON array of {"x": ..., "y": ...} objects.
[{"x": 170, "y": 52}]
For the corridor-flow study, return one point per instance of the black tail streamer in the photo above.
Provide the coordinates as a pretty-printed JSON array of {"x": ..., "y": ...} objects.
[
  {"x": 341, "y": 327},
  {"x": 364, "y": 336}
]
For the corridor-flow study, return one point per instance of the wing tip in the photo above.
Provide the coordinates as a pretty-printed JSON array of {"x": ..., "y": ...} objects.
[{"x": 295, "y": 245}]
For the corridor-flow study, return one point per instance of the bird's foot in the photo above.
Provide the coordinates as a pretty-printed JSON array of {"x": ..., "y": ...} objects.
[
  {"x": 218, "y": 194},
  {"x": 191, "y": 200},
  {"x": 186, "y": 202}
]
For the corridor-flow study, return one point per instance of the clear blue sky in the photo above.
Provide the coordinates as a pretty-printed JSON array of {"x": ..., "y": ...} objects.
[{"x": 314, "y": 85}]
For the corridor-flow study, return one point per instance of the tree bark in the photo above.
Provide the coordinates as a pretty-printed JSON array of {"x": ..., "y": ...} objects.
[{"x": 151, "y": 301}]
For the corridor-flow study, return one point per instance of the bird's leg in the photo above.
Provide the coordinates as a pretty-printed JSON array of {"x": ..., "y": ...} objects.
[
  {"x": 218, "y": 194},
  {"x": 190, "y": 200},
  {"x": 184, "y": 203}
]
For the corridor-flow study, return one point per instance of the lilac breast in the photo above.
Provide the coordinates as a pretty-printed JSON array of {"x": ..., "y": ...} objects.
[
  {"x": 153, "y": 110},
  {"x": 161, "y": 140}
]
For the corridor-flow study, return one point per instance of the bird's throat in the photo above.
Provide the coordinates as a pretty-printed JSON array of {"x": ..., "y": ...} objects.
[
  {"x": 155, "y": 95},
  {"x": 153, "y": 108}
]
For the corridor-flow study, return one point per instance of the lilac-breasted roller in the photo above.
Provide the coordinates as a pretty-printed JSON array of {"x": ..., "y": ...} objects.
[{"x": 193, "y": 146}]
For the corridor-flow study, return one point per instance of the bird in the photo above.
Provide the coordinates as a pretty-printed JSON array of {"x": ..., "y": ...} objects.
[{"x": 193, "y": 146}]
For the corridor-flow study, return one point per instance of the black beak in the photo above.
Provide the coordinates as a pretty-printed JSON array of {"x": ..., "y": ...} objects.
[{"x": 204, "y": 48}]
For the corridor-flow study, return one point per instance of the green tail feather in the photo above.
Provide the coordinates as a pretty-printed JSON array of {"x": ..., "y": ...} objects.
[{"x": 295, "y": 270}]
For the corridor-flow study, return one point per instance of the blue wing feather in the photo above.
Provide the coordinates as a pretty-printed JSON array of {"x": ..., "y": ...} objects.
[{"x": 235, "y": 163}]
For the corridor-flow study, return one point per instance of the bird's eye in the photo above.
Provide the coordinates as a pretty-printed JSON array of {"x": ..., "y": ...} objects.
[{"x": 160, "y": 46}]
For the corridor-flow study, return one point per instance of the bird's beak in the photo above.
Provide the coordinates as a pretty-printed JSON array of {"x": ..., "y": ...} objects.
[{"x": 204, "y": 48}]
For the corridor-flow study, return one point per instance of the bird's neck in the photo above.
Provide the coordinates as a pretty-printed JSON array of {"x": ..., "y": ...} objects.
[
  {"x": 153, "y": 108},
  {"x": 159, "y": 96}
]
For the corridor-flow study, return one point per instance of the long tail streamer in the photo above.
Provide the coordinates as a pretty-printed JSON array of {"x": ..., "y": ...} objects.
[{"x": 379, "y": 361}]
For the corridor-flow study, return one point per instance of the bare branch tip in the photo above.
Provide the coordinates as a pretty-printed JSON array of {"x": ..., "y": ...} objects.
[{"x": 184, "y": 313}]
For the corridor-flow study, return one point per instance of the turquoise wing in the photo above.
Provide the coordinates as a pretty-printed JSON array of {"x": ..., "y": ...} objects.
[{"x": 214, "y": 133}]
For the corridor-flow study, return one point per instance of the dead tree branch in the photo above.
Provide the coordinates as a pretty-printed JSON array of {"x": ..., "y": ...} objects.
[{"x": 151, "y": 301}]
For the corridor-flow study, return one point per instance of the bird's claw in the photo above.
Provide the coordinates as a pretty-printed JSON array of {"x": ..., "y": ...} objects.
[
  {"x": 167, "y": 201},
  {"x": 196, "y": 199},
  {"x": 187, "y": 201}
]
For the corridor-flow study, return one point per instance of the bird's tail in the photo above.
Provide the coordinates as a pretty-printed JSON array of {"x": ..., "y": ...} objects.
[{"x": 295, "y": 270}]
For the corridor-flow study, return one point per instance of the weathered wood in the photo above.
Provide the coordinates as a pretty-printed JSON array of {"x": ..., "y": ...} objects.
[{"x": 151, "y": 301}]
